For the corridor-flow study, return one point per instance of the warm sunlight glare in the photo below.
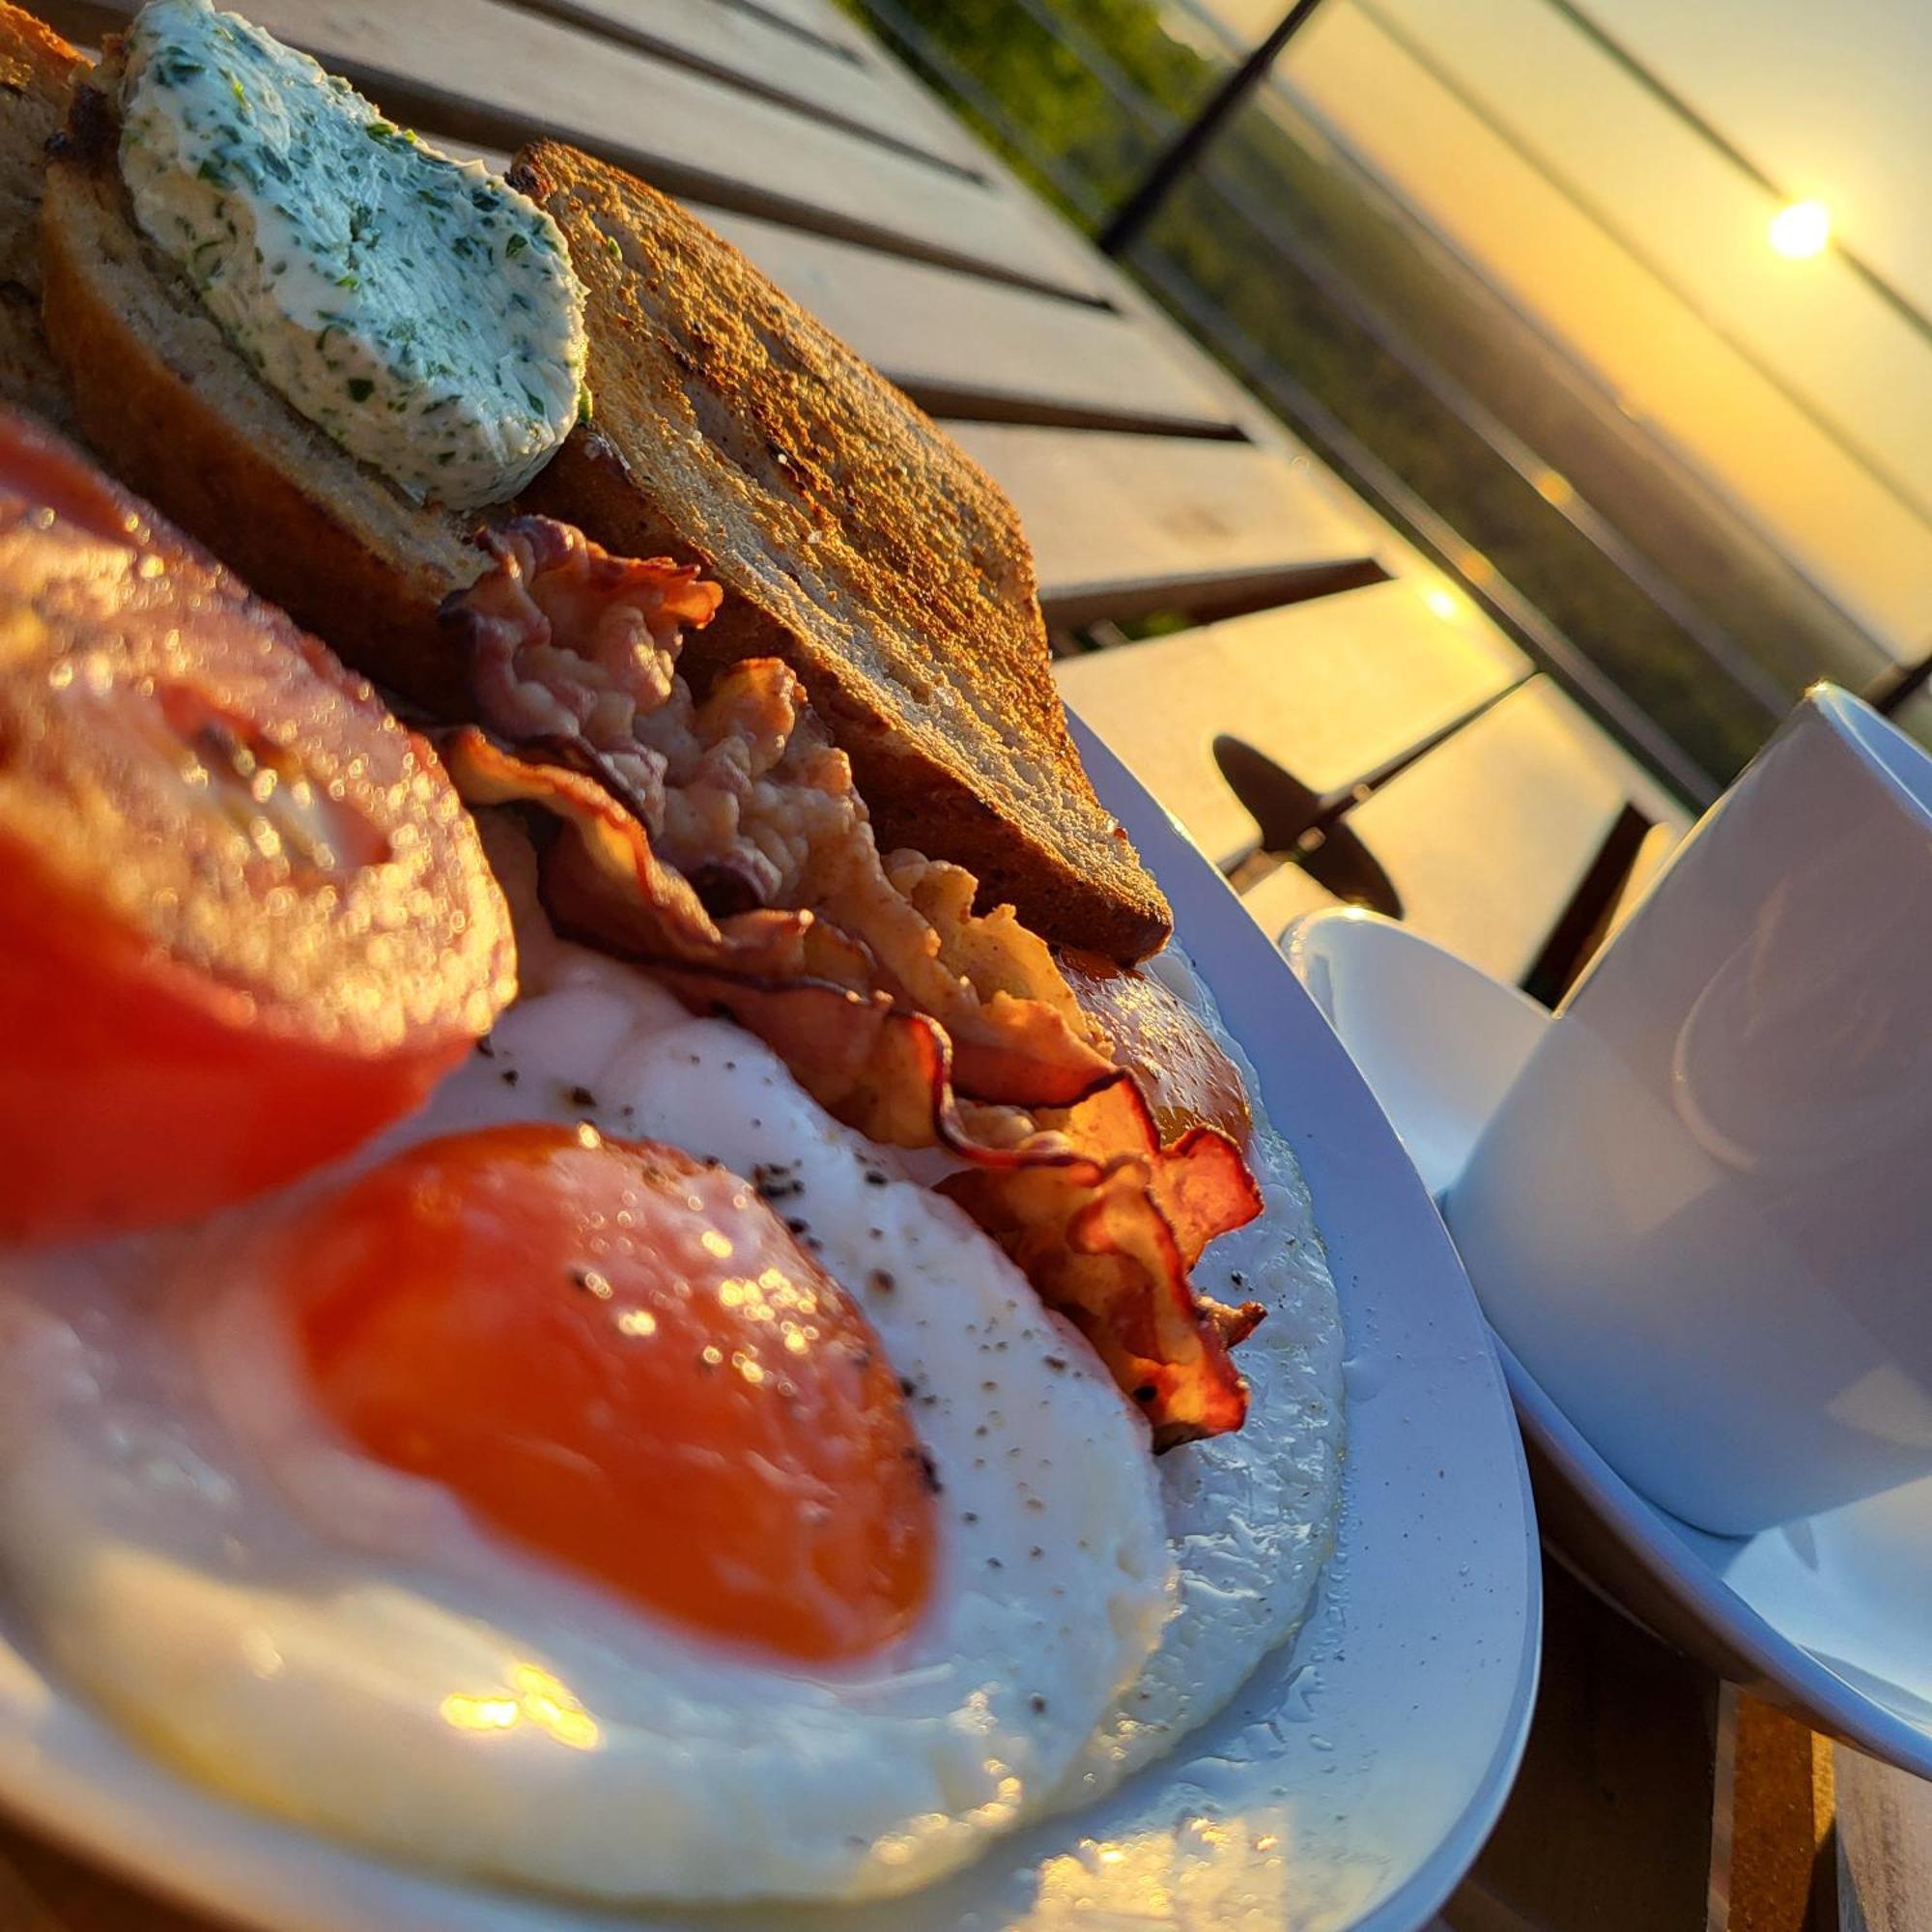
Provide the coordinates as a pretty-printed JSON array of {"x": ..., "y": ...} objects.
[{"x": 1802, "y": 230}]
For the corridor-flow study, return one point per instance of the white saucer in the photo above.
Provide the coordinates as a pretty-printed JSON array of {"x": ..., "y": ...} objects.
[{"x": 1826, "y": 1615}]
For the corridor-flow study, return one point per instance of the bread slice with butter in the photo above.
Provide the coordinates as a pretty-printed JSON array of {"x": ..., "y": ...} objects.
[
  {"x": 161, "y": 392},
  {"x": 853, "y": 539},
  {"x": 38, "y": 72}
]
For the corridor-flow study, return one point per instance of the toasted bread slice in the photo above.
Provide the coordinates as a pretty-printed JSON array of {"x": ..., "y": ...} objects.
[
  {"x": 182, "y": 419},
  {"x": 853, "y": 540},
  {"x": 37, "y": 71}
]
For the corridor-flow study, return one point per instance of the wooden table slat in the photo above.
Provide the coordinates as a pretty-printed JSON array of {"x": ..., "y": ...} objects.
[
  {"x": 1487, "y": 839},
  {"x": 1608, "y": 1828},
  {"x": 1885, "y": 1846},
  {"x": 819, "y": 18},
  {"x": 985, "y": 350},
  {"x": 733, "y": 43},
  {"x": 1328, "y": 689},
  {"x": 1767, "y": 1864},
  {"x": 492, "y": 74},
  {"x": 1125, "y": 524}
]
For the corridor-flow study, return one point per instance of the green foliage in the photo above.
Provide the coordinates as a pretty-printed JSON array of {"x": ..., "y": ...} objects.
[
  {"x": 1058, "y": 121},
  {"x": 1047, "y": 69}
]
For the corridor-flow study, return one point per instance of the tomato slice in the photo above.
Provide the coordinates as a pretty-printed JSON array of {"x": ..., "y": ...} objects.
[{"x": 244, "y": 921}]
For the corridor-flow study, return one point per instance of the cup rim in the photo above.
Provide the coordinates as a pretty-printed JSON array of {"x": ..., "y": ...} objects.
[{"x": 1900, "y": 763}]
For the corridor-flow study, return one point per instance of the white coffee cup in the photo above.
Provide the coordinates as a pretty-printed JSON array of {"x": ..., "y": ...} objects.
[{"x": 1702, "y": 1215}]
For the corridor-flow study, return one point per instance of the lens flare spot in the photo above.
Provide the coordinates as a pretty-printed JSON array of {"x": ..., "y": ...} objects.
[
  {"x": 1802, "y": 230},
  {"x": 535, "y": 1698}
]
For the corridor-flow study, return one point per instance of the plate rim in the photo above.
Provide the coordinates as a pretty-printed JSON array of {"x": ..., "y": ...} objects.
[{"x": 1163, "y": 843}]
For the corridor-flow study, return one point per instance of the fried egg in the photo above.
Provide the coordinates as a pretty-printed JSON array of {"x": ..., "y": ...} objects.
[
  {"x": 449, "y": 1650},
  {"x": 222, "y": 1522}
]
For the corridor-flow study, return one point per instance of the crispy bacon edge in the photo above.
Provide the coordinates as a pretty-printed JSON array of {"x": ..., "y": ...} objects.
[
  {"x": 1062, "y": 1158},
  {"x": 572, "y": 649},
  {"x": 1107, "y": 1227},
  {"x": 792, "y": 977},
  {"x": 1101, "y": 1218},
  {"x": 546, "y": 578}
]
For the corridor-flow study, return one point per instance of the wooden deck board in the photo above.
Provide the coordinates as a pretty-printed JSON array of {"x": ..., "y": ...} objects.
[
  {"x": 1885, "y": 1847},
  {"x": 733, "y": 42},
  {"x": 819, "y": 18},
  {"x": 1329, "y": 689},
  {"x": 1124, "y": 525},
  {"x": 980, "y": 350},
  {"x": 496, "y": 75}
]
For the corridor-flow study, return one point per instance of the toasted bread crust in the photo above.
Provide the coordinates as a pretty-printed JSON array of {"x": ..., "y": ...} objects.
[
  {"x": 853, "y": 540},
  {"x": 178, "y": 415},
  {"x": 29, "y": 377},
  {"x": 37, "y": 71}
]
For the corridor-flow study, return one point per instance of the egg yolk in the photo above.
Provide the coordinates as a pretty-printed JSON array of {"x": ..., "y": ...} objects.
[{"x": 620, "y": 1358}]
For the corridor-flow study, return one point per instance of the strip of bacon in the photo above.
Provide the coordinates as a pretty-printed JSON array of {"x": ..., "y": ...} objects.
[
  {"x": 1107, "y": 1236},
  {"x": 718, "y": 844},
  {"x": 797, "y": 983},
  {"x": 743, "y": 794},
  {"x": 1100, "y": 1217}
]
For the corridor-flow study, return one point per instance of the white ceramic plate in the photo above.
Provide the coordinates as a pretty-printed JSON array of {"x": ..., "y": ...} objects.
[
  {"x": 1353, "y": 1779},
  {"x": 1827, "y": 1616}
]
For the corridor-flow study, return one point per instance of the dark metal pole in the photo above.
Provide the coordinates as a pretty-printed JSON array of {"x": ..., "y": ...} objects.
[
  {"x": 1890, "y": 690},
  {"x": 1139, "y": 209}
]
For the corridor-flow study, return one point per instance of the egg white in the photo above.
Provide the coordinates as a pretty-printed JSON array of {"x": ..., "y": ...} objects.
[
  {"x": 1251, "y": 1515},
  {"x": 341, "y": 1645}
]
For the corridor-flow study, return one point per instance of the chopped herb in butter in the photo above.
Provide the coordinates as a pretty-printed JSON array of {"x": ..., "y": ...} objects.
[{"x": 416, "y": 308}]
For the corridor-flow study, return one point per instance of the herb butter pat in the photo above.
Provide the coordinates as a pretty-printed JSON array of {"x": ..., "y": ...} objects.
[{"x": 416, "y": 308}]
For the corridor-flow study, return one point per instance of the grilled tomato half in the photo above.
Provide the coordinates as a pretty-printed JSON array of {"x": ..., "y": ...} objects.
[{"x": 244, "y": 921}]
